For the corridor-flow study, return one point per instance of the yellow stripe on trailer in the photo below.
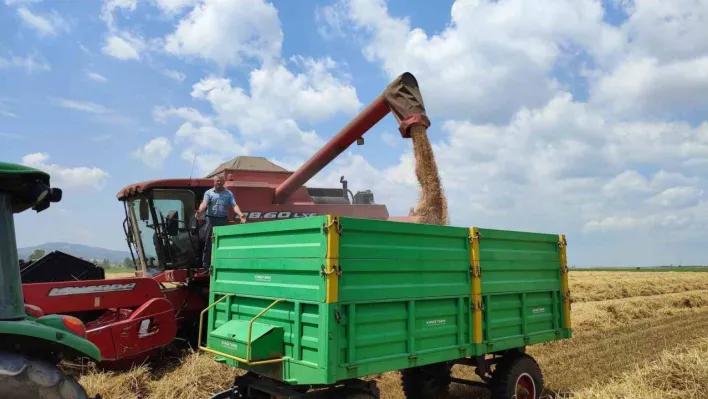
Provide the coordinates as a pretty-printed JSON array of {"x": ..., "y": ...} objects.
[
  {"x": 476, "y": 286},
  {"x": 333, "y": 229},
  {"x": 565, "y": 287}
]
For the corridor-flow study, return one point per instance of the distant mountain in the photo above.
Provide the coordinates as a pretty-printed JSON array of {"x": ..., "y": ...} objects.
[{"x": 83, "y": 251}]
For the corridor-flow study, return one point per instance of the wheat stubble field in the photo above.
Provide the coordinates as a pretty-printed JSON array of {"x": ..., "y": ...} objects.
[{"x": 636, "y": 335}]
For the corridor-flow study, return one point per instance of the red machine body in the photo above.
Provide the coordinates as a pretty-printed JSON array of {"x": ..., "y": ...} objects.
[{"x": 130, "y": 319}]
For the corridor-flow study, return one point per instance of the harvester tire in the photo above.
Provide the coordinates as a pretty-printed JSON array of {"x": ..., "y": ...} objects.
[
  {"x": 517, "y": 376},
  {"x": 426, "y": 382},
  {"x": 27, "y": 378}
]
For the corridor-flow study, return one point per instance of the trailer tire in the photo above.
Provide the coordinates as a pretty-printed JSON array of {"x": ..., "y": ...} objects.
[
  {"x": 27, "y": 378},
  {"x": 426, "y": 382},
  {"x": 517, "y": 376}
]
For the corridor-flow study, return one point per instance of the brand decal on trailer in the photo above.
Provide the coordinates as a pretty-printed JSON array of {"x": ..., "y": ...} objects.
[
  {"x": 278, "y": 215},
  {"x": 436, "y": 322},
  {"x": 91, "y": 289},
  {"x": 259, "y": 277},
  {"x": 229, "y": 345},
  {"x": 538, "y": 310}
]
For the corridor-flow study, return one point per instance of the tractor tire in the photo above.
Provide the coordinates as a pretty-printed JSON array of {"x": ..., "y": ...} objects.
[
  {"x": 517, "y": 376},
  {"x": 26, "y": 378},
  {"x": 426, "y": 382}
]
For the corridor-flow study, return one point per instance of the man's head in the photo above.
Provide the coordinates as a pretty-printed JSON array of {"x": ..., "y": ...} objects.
[{"x": 219, "y": 182}]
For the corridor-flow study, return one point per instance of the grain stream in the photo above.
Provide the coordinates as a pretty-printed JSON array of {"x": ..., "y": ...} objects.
[{"x": 432, "y": 205}]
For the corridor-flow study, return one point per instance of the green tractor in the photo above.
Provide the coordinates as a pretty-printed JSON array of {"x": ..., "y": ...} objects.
[{"x": 32, "y": 344}]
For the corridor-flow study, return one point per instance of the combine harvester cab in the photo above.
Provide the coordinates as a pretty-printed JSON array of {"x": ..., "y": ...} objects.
[{"x": 309, "y": 307}]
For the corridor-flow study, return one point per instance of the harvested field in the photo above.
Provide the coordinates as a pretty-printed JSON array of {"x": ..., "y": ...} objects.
[
  {"x": 622, "y": 321},
  {"x": 678, "y": 373},
  {"x": 598, "y": 286}
]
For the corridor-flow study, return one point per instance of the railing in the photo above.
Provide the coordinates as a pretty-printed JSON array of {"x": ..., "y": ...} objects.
[{"x": 248, "y": 344}]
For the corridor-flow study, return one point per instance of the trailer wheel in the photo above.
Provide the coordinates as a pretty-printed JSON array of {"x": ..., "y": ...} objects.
[
  {"x": 426, "y": 382},
  {"x": 517, "y": 376},
  {"x": 26, "y": 378}
]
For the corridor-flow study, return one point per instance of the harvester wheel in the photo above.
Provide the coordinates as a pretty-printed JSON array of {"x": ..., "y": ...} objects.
[
  {"x": 426, "y": 382},
  {"x": 517, "y": 376},
  {"x": 26, "y": 378}
]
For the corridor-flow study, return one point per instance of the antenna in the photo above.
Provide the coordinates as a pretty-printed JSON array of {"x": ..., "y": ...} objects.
[{"x": 192, "y": 171}]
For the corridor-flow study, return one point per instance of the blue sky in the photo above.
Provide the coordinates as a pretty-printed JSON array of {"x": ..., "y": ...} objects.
[{"x": 575, "y": 116}]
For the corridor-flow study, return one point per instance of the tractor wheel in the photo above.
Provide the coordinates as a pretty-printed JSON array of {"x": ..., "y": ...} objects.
[
  {"x": 426, "y": 382},
  {"x": 517, "y": 376},
  {"x": 26, "y": 378}
]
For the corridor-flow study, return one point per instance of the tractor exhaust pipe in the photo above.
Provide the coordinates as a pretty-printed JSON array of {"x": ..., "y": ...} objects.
[{"x": 402, "y": 97}]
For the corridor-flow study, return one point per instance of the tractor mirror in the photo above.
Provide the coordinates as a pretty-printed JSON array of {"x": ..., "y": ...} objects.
[
  {"x": 55, "y": 194},
  {"x": 39, "y": 194},
  {"x": 144, "y": 211}
]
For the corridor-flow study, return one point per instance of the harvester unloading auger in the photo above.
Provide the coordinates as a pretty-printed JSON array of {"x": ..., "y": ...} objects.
[
  {"x": 131, "y": 318},
  {"x": 402, "y": 98}
]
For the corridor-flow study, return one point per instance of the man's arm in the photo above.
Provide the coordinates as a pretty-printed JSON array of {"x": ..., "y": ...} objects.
[
  {"x": 203, "y": 205},
  {"x": 237, "y": 210}
]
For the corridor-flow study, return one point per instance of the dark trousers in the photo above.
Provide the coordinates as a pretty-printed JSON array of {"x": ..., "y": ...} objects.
[{"x": 211, "y": 222}]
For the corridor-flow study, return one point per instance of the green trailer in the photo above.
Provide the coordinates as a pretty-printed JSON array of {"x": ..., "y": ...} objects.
[{"x": 311, "y": 306}]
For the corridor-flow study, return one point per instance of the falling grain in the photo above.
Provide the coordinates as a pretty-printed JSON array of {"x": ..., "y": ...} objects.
[{"x": 432, "y": 205}]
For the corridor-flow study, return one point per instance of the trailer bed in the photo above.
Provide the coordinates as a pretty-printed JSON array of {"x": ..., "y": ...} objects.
[{"x": 336, "y": 298}]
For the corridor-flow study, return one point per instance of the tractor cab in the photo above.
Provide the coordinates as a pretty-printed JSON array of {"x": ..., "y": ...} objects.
[{"x": 21, "y": 188}]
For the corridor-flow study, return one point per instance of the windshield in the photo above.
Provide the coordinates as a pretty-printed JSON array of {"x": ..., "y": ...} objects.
[{"x": 161, "y": 234}]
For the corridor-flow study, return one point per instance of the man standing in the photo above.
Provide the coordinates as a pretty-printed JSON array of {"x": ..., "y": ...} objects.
[{"x": 216, "y": 203}]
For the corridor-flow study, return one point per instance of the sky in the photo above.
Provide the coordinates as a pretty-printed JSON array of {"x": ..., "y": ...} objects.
[{"x": 581, "y": 117}]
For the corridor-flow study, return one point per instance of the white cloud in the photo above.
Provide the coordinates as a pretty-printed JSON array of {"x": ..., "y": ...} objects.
[
  {"x": 502, "y": 51},
  {"x": 172, "y": 74},
  {"x": 314, "y": 95},
  {"x": 20, "y": 2},
  {"x": 67, "y": 177},
  {"x": 660, "y": 67},
  {"x": 123, "y": 47},
  {"x": 44, "y": 25},
  {"x": 172, "y": 7},
  {"x": 84, "y": 106},
  {"x": 31, "y": 63},
  {"x": 96, "y": 77},
  {"x": 161, "y": 114},
  {"x": 638, "y": 86},
  {"x": 225, "y": 32},
  {"x": 677, "y": 197},
  {"x": 155, "y": 152},
  {"x": 110, "y": 7}
]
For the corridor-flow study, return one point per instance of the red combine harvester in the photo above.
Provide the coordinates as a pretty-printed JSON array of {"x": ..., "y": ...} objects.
[{"x": 130, "y": 319}]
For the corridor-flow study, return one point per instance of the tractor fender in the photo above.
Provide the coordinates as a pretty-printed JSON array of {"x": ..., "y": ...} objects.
[{"x": 36, "y": 333}]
